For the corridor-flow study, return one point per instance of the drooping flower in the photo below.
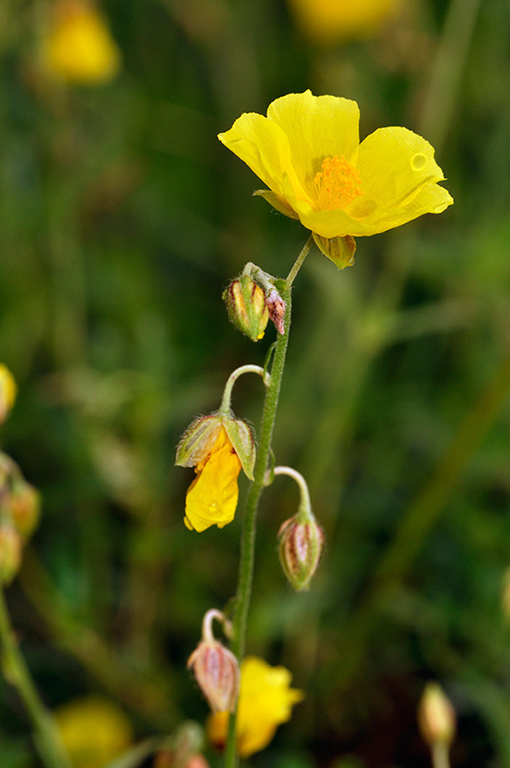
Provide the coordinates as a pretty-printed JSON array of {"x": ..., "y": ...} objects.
[
  {"x": 332, "y": 21},
  {"x": 78, "y": 46},
  {"x": 265, "y": 701},
  {"x": 307, "y": 151},
  {"x": 212, "y": 496}
]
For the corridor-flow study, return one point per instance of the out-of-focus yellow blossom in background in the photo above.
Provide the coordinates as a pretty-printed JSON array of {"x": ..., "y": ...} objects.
[
  {"x": 327, "y": 22},
  {"x": 78, "y": 46},
  {"x": 94, "y": 731},
  {"x": 265, "y": 701},
  {"x": 7, "y": 392},
  {"x": 307, "y": 151},
  {"x": 212, "y": 496}
]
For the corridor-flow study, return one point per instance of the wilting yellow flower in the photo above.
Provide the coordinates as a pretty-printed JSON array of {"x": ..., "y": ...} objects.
[
  {"x": 307, "y": 152},
  {"x": 265, "y": 701},
  {"x": 78, "y": 46},
  {"x": 7, "y": 392},
  {"x": 332, "y": 21},
  {"x": 94, "y": 731},
  {"x": 212, "y": 496}
]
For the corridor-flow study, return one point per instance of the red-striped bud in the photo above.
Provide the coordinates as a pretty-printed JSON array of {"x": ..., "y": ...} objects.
[
  {"x": 217, "y": 673},
  {"x": 246, "y": 306},
  {"x": 300, "y": 548}
]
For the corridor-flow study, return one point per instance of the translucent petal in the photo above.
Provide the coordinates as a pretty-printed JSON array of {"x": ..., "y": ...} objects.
[
  {"x": 263, "y": 146},
  {"x": 396, "y": 166},
  {"x": 316, "y": 127}
]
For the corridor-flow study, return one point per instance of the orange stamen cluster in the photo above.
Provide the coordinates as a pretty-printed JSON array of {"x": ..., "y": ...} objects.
[{"x": 337, "y": 184}]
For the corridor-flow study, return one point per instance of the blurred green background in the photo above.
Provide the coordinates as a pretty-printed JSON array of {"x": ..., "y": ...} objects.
[{"x": 122, "y": 218}]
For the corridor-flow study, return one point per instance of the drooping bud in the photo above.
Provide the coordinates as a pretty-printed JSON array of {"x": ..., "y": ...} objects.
[
  {"x": 217, "y": 673},
  {"x": 436, "y": 716},
  {"x": 10, "y": 553},
  {"x": 25, "y": 506},
  {"x": 300, "y": 548},
  {"x": 246, "y": 306},
  {"x": 215, "y": 668},
  {"x": 198, "y": 440},
  {"x": 7, "y": 392}
]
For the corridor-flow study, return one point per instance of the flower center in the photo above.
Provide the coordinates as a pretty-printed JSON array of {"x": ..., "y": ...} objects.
[{"x": 337, "y": 184}]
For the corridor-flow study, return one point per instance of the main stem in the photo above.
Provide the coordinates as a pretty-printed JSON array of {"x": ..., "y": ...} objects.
[
  {"x": 46, "y": 736},
  {"x": 249, "y": 526}
]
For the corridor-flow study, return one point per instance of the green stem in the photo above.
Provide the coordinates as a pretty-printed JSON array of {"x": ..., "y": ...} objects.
[
  {"x": 440, "y": 757},
  {"x": 46, "y": 735},
  {"x": 249, "y": 526},
  {"x": 227, "y": 392}
]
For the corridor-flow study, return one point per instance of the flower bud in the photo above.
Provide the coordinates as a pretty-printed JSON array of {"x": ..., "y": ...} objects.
[
  {"x": 217, "y": 673},
  {"x": 24, "y": 506},
  {"x": 300, "y": 548},
  {"x": 436, "y": 716},
  {"x": 7, "y": 392},
  {"x": 246, "y": 306},
  {"x": 10, "y": 553}
]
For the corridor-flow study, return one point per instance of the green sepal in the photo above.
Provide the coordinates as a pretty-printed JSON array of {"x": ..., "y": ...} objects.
[
  {"x": 241, "y": 437},
  {"x": 340, "y": 250},
  {"x": 198, "y": 440}
]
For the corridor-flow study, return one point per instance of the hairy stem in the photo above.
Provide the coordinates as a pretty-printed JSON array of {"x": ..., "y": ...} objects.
[{"x": 249, "y": 526}]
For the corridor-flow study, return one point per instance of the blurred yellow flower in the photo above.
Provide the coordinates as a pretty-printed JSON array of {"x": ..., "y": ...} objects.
[
  {"x": 307, "y": 151},
  {"x": 8, "y": 391},
  {"x": 78, "y": 46},
  {"x": 332, "y": 21},
  {"x": 212, "y": 496},
  {"x": 94, "y": 731},
  {"x": 265, "y": 701}
]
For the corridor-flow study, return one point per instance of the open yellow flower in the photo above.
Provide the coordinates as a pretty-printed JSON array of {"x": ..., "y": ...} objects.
[
  {"x": 265, "y": 701},
  {"x": 212, "y": 496},
  {"x": 94, "y": 731},
  {"x": 78, "y": 46},
  {"x": 307, "y": 151},
  {"x": 330, "y": 21}
]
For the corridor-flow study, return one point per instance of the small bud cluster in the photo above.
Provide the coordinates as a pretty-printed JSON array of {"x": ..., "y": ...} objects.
[
  {"x": 19, "y": 514},
  {"x": 250, "y": 304}
]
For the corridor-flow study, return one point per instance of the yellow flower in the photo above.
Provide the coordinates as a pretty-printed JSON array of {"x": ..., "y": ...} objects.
[
  {"x": 265, "y": 701},
  {"x": 212, "y": 496},
  {"x": 78, "y": 47},
  {"x": 94, "y": 731},
  {"x": 331, "y": 21},
  {"x": 8, "y": 391},
  {"x": 307, "y": 152}
]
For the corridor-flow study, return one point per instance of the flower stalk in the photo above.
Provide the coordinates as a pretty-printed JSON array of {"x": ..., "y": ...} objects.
[
  {"x": 249, "y": 526},
  {"x": 47, "y": 738}
]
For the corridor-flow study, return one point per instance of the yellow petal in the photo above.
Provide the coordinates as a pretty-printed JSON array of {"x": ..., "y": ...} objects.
[
  {"x": 399, "y": 181},
  {"x": 263, "y": 146},
  {"x": 316, "y": 127},
  {"x": 212, "y": 497}
]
